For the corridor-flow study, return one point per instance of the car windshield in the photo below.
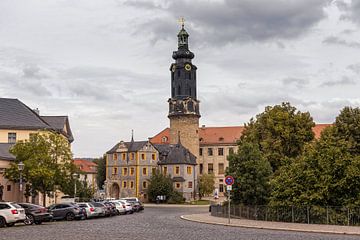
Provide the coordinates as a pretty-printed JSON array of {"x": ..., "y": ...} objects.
[{"x": 15, "y": 205}]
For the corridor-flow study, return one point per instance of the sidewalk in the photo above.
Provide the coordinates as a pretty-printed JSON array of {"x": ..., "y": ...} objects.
[
  {"x": 165, "y": 205},
  {"x": 314, "y": 228}
]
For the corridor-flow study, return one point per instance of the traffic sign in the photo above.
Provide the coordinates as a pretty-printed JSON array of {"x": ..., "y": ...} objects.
[
  {"x": 229, "y": 187},
  {"x": 229, "y": 180}
]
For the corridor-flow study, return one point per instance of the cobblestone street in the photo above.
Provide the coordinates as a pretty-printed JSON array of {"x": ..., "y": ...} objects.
[{"x": 153, "y": 223}]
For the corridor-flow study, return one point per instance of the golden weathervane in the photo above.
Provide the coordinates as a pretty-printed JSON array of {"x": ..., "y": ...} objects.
[{"x": 182, "y": 21}]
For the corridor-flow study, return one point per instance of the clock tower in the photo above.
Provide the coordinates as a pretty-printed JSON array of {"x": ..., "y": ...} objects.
[{"x": 184, "y": 111}]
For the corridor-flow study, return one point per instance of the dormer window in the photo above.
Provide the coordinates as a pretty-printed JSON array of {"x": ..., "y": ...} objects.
[
  {"x": 221, "y": 139},
  {"x": 201, "y": 139},
  {"x": 164, "y": 139}
]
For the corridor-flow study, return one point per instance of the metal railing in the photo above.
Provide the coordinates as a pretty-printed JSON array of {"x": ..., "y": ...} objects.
[{"x": 333, "y": 215}]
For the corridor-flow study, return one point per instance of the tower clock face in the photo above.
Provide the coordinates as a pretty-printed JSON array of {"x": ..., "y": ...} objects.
[
  {"x": 173, "y": 68},
  {"x": 187, "y": 67}
]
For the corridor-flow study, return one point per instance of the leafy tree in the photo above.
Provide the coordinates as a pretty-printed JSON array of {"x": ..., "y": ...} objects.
[
  {"x": 160, "y": 185},
  {"x": 252, "y": 173},
  {"x": 206, "y": 184},
  {"x": 47, "y": 161},
  {"x": 101, "y": 171},
  {"x": 280, "y": 132}
]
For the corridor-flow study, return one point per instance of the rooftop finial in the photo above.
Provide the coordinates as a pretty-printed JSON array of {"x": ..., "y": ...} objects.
[
  {"x": 182, "y": 22},
  {"x": 132, "y": 135}
]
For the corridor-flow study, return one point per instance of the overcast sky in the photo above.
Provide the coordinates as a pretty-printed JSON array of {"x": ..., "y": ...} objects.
[{"x": 105, "y": 64}]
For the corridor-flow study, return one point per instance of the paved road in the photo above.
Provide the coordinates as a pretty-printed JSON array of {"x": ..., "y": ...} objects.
[{"x": 152, "y": 224}]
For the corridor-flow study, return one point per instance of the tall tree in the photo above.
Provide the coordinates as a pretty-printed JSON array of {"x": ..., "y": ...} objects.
[
  {"x": 280, "y": 132},
  {"x": 160, "y": 185},
  {"x": 47, "y": 162},
  {"x": 101, "y": 171},
  {"x": 206, "y": 184},
  {"x": 252, "y": 173}
]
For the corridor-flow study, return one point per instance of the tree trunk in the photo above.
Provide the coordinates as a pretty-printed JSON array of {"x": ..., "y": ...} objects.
[{"x": 44, "y": 199}]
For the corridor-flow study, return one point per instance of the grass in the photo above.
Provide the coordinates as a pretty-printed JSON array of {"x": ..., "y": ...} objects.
[{"x": 200, "y": 202}]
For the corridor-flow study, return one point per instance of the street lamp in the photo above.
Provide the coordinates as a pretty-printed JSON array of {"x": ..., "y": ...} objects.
[
  {"x": 21, "y": 168},
  {"x": 75, "y": 176}
]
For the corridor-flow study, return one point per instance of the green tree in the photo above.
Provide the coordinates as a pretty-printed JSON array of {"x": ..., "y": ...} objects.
[
  {"x": 101, "y": 171},
  {"x": 160, "y": 185},
  {"x": 206, "y": 184},
  {"x": 252, "y": 173},
  {"x": 281, "y": 133},
  {"x": 47, "y": 161}
]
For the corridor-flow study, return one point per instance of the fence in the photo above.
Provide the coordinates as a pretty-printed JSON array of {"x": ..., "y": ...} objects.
[{"x": 296, "y": 214}]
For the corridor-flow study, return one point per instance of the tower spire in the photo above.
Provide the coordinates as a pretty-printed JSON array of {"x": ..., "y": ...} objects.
[
  {"x": 132, "y": 135},
  {"x": 182, "y": 22}
]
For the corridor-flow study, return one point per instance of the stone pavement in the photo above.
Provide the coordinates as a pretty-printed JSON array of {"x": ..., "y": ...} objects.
[{"x": 234, "y": 222}]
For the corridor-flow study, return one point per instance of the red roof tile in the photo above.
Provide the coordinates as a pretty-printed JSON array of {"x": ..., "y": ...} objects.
[
  {"x": 85, "y": 165},
  {"x": 220, "y": 135}
]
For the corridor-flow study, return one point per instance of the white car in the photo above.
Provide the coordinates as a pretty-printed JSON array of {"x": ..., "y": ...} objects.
[
  {"x": 121, "y": 208},
  {"x": 11, "y": 213},
  {"x": 91, "y": 210},
  {"x": 128, "y": 206}
]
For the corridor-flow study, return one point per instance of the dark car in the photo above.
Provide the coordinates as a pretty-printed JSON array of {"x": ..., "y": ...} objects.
[
  {"x": 112, "y": 208},
  {"x": 35, "y": 214},
  {"x": 137, "y": 206},
  {"x": 67, "y": 211}
]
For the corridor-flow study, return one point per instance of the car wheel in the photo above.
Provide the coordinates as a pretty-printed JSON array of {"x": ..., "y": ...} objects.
[
  {"x": 2, "y": 222},
  {"x": 10, "y": 224},
  {"x": 70, "y": 216},
  {"x": 29, "y": 220}
]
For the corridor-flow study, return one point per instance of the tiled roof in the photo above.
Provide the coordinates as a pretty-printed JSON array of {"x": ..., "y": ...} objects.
[
  {"x": 85, "y": 165},
  {"x": 132, "y": 146},
  {"x": 319, "y": 128},
  {"x": 175, "y": 154},
  {"x": 16, "y": 115},
  {"x": 220, "y": 135},
  {"x": 58, "y": 123},
  {"x": 4, "y": 151}
]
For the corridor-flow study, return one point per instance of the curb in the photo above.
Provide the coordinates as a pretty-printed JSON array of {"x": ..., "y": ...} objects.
[
  {"x": 175, "y": 205},
  {"x": 184, "y": 217}
]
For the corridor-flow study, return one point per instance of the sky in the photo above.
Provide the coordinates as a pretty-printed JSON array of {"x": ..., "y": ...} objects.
[{"x": 105, "y": 64}]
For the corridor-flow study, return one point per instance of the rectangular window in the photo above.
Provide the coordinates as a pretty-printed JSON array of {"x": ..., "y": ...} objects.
[
  {"x": 132, "y": 184},
  {"x": 132, "y": 156},
  {"x": 177, "y": 170},
  {"x": 132, "y": 171},
  {"x": 210, "y": 168},
  {"x": 8, "y": 188},
  {"x": 153, "y": 156},
  {"x": 177, "y": 185},
  {"x": 189, "y": 170},
  {"x": 153, "y": 171},
  {"x": 165, "y": 170},
  {"x": 200, "y": 151},
  {"x": 231, "y": 150},
  {"x": 11, "y": 137},
  {"x": 143, "y": 156},
  {"x": 221, "y": 187},
  {"x": 115, "y": 156},
  {"x": 220, "y": 151},
  {"x": 144, "y": 185},
  {"x": 123, "y": 156},
  {"x": 144, "y": 171},
  {"x": 115, "y": 171},
  {"x": 210, "y": 151},
  {"x": 125, "y": 171},
  {"x": 124, "y": 184},
  {"x": 201, "y": 168},
  {"x": 221, "y": 168},
  {"x": 190, "y": 185}
]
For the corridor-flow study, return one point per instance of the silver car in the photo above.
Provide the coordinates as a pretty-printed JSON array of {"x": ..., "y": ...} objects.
[{"x": 91, "y": 210}]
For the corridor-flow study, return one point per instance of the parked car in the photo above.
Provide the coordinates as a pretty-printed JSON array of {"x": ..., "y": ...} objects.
[
  {"x": 35, "y": 213},
  {"x": 112, "y": 208},
  {"x": 136, "y": 204},
  {"x": 11, "y": 213},
  {"x": 128, "y": 207},
  {"x": 91, "y": 210},
  {"x": 120, "y": 208},
  {"x": 105, "y": 209},
  {"x": 67, "y": 211}
]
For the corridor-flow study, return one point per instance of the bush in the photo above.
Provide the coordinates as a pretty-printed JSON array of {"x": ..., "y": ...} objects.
[{"x": 176, "y": 197}]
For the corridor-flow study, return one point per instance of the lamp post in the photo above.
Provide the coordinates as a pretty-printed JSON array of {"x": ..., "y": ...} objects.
[
  {"x": 21, "y": 168},
  {"x": 75, "y": 176}
]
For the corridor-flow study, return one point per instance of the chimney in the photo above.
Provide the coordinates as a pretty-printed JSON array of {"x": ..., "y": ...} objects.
[{"x": 202, "y": 126}]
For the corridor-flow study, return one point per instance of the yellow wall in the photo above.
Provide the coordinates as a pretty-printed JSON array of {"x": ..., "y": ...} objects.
[{"x": 20, "y": 134}]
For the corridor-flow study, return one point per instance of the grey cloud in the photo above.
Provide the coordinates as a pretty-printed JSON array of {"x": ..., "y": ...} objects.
[
  {"x": 297, "y": 82},
  {"x": 344, "y": 81},
  {"x": 33, "y": 71},
  {"x": 355, "y": 68},
  {"x": 351, "y": 11},
  {"x": 332, "y": 40},
  {"x": 232, "y": 21}
]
